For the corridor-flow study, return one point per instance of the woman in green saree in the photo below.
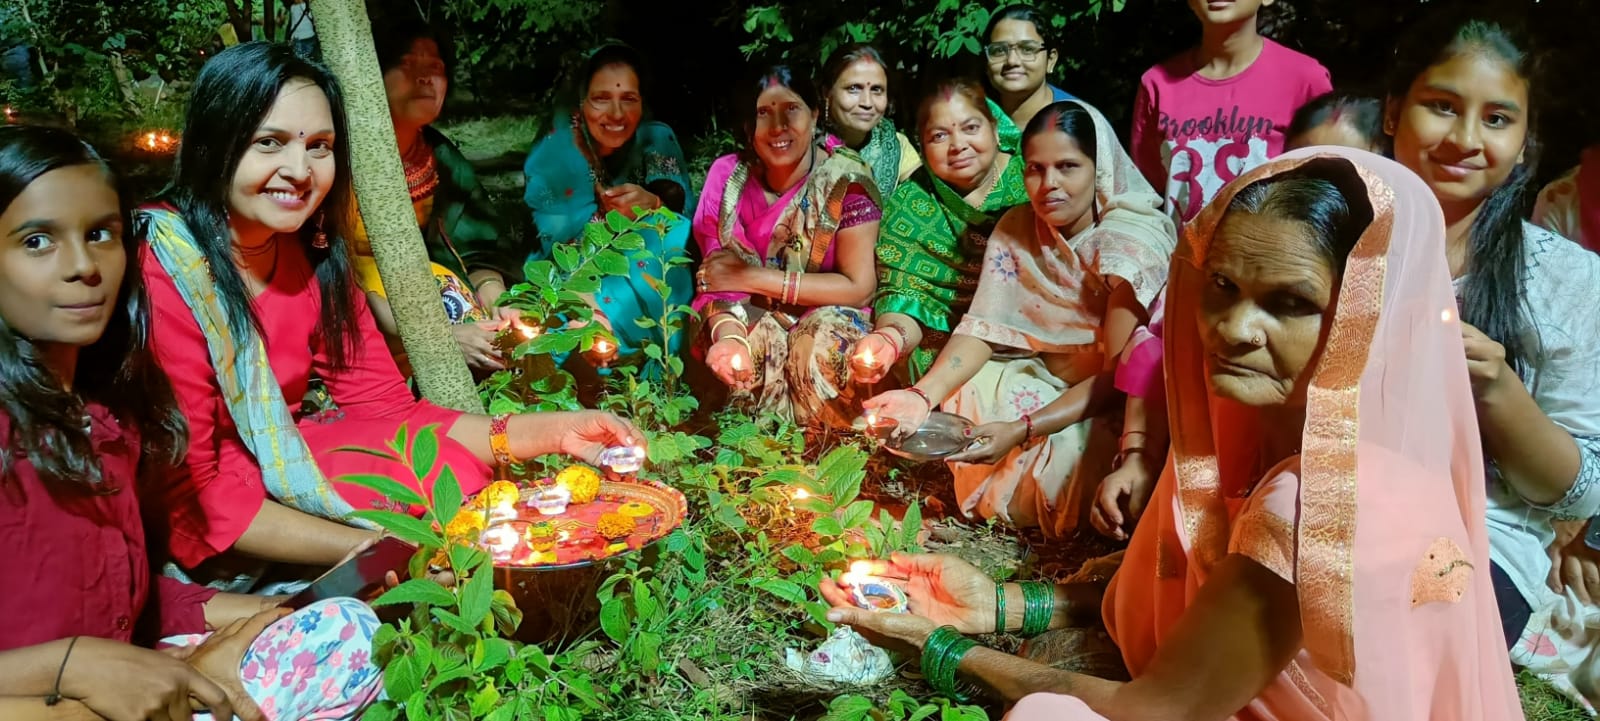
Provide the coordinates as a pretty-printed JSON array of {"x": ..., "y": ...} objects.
[
  {"x": 934, "y": 231},
  {"x": 855, "y": 112}
]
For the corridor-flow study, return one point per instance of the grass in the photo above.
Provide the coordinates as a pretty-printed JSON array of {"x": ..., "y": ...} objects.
[
  {"x": 493, "y": 137},
  {"x": 1541, "y": 702}
]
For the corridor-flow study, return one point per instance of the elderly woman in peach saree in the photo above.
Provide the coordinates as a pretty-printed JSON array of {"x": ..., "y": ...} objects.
[{"x": 1316, "y": 546}]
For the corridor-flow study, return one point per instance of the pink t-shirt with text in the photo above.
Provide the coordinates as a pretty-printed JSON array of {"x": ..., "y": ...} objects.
[{"x": 1191, "y": 135}]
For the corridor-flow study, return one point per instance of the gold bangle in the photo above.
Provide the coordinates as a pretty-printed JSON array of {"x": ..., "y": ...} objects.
[
  {"x": 726, "y": 318},
  {"x": 741, "y": 340}
]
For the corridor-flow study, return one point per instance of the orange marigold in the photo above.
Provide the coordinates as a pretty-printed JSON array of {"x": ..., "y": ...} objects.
[{"x": 615, "y": 525}]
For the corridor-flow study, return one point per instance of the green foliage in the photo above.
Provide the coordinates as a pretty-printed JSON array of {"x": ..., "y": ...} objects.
[
  {"x": 113, "y": 60},
  {"x": 770, "y": 515}
]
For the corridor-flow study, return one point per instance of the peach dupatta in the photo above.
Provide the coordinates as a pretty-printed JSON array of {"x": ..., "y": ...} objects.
[{"x": 1387, "y": 545}]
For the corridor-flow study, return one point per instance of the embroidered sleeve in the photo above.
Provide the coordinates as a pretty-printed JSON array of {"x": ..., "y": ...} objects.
[
  {"x": 1583, "y": 499},
  {"x": 858, "y": 210},
  {"x": 1264, "y": 531}
]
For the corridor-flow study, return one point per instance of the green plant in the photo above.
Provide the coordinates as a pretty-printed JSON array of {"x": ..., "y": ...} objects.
[{"x": 448, "y": 658}]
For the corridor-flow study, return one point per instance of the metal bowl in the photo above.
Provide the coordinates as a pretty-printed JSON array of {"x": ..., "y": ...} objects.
[{"x": 942, "y": 435}]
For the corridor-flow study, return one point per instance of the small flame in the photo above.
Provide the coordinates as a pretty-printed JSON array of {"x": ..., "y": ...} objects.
[
  {"x": 604, "y": 347},
  {"x": 500, "y": 539},
  {"x": 866, "y": 358},
  {"x": 801, "y": 494},
  {"x": 737, "y": 362},
  {"x": 1447, "y": 315}
]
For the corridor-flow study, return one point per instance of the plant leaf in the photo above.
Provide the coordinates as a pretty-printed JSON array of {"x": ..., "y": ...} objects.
[
  {"x": 476, "y": 596},
  {"x": 454, "y": 621},
  {"x": 417, "y": 590},
  {"x": 614, "y": 619},
  {"x": 384, "y": 486},
  {"x": 415, "y": 530},
  {"x": 786, "y": 590},
  {"x": 446, "y": 496}
]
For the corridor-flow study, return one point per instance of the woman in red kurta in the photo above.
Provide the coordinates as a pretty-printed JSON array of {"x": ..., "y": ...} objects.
[{"x": 252, "y": 293}]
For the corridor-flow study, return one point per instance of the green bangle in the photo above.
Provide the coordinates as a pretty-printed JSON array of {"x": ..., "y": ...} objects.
[
  {"x": 1000, "y": 608},
  {"x": 1038, "y": 606},
  {"x": 941, "y": 656}
]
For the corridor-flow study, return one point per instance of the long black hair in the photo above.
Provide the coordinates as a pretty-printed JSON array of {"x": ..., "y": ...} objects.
[
  {"x": 117, "y": 371},
  {"x": 1493, "y": 297},
  {"x": 233, "y": 95}
]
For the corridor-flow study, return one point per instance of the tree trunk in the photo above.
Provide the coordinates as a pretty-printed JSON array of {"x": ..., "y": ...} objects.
[
  {"x": 239, "y": 19},
  {"x": 269, "y": 20},
  {"x": 346, "y": 37}
]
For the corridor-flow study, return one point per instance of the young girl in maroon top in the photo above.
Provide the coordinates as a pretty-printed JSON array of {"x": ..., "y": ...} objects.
[{"x": 85, "y": 416}]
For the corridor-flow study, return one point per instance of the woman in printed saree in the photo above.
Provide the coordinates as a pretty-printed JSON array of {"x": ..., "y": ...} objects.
[
  {"x": 855, "y": 112},
  {"x": 788, "y": 230},
  {"x": 248, "y": 272},
  {"x": 935, "y": 227},
  {"x": 1316, "y": 547},
  {"x": 603, "y": 155},
  {"x": 1064, "y": 282},
  {"x": 88, "y": 420},
  {"x": 474, "y": 250}
]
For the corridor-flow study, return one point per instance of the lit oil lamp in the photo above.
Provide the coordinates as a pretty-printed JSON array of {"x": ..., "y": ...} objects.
[
  {"x": 501, "y": 540},
  {"x": 800, "y": 494},
  {"x": 503, "y": 511},
  {"x": 622, "y": 460},
  {"x": 551, "y": 500},
  {"x": 878, "y": 426},
  {"x": 871, "y": 592},
  {"x": 865, "y": 364},
  {"x": 605, "y": 351}
]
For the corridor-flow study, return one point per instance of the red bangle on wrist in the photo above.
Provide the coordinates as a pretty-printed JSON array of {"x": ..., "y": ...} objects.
[
  {"x": 1027, "y": 420},
  {"x": 923, "y": 395}
]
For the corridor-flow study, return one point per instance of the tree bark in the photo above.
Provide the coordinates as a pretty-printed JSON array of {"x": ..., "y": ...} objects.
[{"x": 441, "y": 371}]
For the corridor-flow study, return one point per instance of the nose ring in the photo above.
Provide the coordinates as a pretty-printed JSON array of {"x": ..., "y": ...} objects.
[{"x": 1255, "y": 340}]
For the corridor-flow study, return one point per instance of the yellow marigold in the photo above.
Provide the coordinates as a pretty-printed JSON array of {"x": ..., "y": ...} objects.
[
  {"x": 498, "y": 493},
  {"x": 466, "y": 525},
  {"x": 635, "y": 509},
  {"x": 614, "y": 525},
  {"x": 582, "y": 481}
]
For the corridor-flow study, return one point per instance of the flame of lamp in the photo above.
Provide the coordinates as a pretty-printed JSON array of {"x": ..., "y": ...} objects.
[
  {"x": 502, "y": 512},
  {"x": 737, "y": 362},
  {"x": 500, "y": 540},
  {"x": 801, "y": 494}
]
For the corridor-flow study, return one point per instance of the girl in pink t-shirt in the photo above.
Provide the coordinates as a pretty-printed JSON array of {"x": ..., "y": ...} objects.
[{"x": 1209, "y": 114}]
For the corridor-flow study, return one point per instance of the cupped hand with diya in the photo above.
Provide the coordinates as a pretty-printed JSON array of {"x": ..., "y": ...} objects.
[
  {"x": 909, "y": 408},
  {"x": 944, "y": 590}
]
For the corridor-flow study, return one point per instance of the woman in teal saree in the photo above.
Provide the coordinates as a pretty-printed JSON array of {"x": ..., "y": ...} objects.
[{"x": 604, "y": 155}]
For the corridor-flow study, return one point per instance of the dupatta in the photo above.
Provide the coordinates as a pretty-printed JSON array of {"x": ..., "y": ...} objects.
[
  {"x": 802, "y": 230},
  {"x": 1388, "y": 550},
  {"x": 1040, "y": 291},
  {"x": 249, "y": 389}
]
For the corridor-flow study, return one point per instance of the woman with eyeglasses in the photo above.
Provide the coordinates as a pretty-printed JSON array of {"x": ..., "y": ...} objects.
[
  {"x": 1208, "y": 114},
  {"x": 1020, "y": 59},
  {"x": 605, "y": 154}
]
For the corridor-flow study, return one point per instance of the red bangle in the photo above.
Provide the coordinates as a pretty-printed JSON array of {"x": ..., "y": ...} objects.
[
  {"x": 1027, "y": 420},
  {"x": 923, "y": 395},
  {"x": 898, "y": 346}
]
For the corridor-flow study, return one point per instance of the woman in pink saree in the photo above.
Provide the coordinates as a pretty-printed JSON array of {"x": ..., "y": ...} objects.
[{"x": 1315, "y": 548}]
